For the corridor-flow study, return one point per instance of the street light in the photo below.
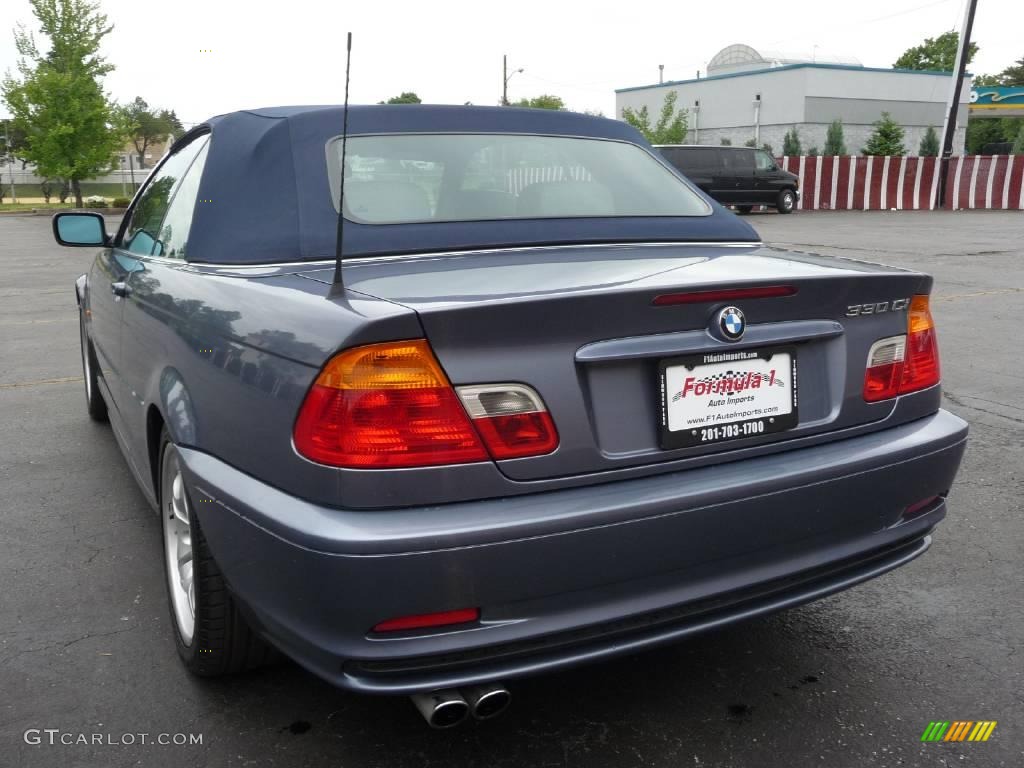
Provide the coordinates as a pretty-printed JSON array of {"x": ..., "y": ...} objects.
[
  {"x": 9, "y": 159},
  {"x": 507, "y": 76}
]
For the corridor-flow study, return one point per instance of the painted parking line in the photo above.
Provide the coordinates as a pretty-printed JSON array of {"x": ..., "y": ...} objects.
[
  {"x": 975, "y": 294},
  {"x": 41, "y": 382},
  {"x": 46, "y": 321}
]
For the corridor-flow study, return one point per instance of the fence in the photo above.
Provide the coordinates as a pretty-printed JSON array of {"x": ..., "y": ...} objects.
[
  {"x": 519, "y": 178},
  {"x": 907, "y": 183},
  {"x": 29, "y": 176}
]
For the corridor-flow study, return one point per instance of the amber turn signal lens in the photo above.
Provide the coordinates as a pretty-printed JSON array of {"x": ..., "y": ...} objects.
[
  {"x": 385, "y": 406},
  {"x": 391, "y": 365}
]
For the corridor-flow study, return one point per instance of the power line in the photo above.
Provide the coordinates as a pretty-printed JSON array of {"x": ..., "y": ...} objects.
[
  {"x": 908, "y": 10},
  {"x": 589, "y": 87}
]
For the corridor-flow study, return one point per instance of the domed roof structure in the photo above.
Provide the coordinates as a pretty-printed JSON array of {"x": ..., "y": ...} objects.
[{"x": 744, "y": 58}]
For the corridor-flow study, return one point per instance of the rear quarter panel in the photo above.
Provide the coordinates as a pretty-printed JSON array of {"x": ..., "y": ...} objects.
[{"x": 227, "y": 360}]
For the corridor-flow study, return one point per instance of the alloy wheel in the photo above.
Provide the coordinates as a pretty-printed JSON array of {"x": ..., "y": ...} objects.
[
  {"x": 86, "y": 365},
  {"x": 178, "y": 546}
]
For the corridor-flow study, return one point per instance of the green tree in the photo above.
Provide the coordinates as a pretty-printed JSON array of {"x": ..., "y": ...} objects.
[
  {"x": 544, "y": 101},
  {"x": 145, "y": 126},
  {"x": 58, "y": 101},
  {"x": 750, "y": 143},
  {"x": 887, "y": 138},
  {"x": 726, "y": 142},
  {"x": 791, "y": 143},
  {"x": 671, "y": 126},
  {"x": 1018, "y": 145},
  {"x": 769, "y": 149},
  {"x": 171, "y": 117},
  {"x": 813, "y": 152},
  {"x": 983, "y": 80},
  {"x": 1013, "y": 74},
  {"x": 405, "y": 97},
  {"x": 981, "y": 131},
  {"x": 935, "y": 53},
  {"x": 835, "y": 142},
  {"x": 1010, "y": 126},
  {"x": 929, "y": 144}
]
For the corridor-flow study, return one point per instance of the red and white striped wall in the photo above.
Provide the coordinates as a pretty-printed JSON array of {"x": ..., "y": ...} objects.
[{"x": 907, "y": 183}]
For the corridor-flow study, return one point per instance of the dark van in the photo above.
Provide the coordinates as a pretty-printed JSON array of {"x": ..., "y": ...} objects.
[{"x": 738, "y": 176}]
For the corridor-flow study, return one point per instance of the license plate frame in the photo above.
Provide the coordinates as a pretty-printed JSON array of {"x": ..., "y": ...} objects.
[{"x": 720, "y": 364}]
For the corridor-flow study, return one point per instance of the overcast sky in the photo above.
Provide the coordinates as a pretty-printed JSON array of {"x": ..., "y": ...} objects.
[{"x": 450, "y": 51}]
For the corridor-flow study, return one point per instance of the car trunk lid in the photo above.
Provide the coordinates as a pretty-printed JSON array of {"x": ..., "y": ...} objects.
[{"x": 580, "y": 325}]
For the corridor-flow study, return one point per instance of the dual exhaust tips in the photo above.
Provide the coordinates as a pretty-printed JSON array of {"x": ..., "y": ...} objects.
[{"x": 447, "y": 708}]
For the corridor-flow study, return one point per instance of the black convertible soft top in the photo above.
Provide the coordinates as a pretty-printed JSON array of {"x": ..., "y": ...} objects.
[{"x": 267, "y": 176}]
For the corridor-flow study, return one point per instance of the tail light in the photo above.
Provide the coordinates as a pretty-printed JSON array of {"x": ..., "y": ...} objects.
[
  {"x": 898, "y": 365},
  {"x": 385, "y": 405},
  {"x": 885, "y": 368},
  {"x": 390, "y": 405},
  {"x": 922, "y": 366},
  {"x": 511, "y": 418}
]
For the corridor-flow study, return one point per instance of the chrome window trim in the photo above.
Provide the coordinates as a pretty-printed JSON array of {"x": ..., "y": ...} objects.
[{"x": 328, "y": 261}]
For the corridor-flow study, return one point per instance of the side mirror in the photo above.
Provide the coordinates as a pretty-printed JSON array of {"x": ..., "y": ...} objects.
[{"x": 80, "y": 229}]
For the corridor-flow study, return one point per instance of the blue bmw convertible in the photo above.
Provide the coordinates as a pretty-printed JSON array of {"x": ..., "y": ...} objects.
[{"x": 547, "y": 402}]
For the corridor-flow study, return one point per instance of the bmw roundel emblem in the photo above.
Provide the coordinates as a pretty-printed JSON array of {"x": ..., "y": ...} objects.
[{"x": 732, "y": 323}]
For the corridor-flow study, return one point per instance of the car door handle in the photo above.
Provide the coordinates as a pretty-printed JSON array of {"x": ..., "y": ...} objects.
[{"x": 120, "y": 289}]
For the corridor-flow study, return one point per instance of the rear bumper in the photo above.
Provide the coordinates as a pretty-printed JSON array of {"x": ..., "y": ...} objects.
[{"x": 566, "y": 577}]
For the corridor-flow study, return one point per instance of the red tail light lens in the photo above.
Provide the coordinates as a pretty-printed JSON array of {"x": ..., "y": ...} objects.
[
  {"x": 902, "y": 364},
  {"x": 511, "y": 419},
  {"x": 884, "y": 369},
  {"x": 513, "y": 437},
  {"x": 385, "y": 405},
  {"x": 922, "y": 366}
]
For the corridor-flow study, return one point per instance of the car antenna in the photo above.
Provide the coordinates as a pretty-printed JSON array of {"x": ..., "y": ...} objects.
[{"x": 337, "y": 286}]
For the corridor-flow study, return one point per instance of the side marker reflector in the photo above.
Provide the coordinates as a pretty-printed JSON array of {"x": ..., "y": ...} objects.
[{"x": 442, "y": 619}]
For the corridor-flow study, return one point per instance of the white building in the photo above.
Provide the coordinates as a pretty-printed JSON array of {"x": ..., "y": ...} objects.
[{"x": 761, "y": 95}]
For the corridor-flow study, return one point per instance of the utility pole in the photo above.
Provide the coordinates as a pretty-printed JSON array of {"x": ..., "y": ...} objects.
[
  {"x": 505, "y": 77},
  {"x": 949, "y": 127},
  {"x": 661, "y": 74},
  {"x": 10, "y": 158}
]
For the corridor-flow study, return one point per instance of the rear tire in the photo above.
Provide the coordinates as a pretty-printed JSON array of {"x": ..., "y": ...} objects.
[
  {"x": 211, "y": 636},
  {"x": 94, "y": 402},
  {"x": 786, "y": 202},
  {"x": 744, "y": 209}
]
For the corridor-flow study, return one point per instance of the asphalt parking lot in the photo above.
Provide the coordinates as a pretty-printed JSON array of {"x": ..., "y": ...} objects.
[{"x": 85, "y": 638}]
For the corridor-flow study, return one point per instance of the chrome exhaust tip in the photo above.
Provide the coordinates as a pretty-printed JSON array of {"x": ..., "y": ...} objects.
[
  {"x": 488, "y": 700},
  {"x": 441, "y": 709}
]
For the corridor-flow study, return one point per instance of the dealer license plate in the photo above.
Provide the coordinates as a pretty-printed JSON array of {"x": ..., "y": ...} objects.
[{"x": 718, "y": 396}]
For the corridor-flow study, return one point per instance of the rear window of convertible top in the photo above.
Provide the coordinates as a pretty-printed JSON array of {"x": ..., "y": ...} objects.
[{"x": 406, "y": 178}]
